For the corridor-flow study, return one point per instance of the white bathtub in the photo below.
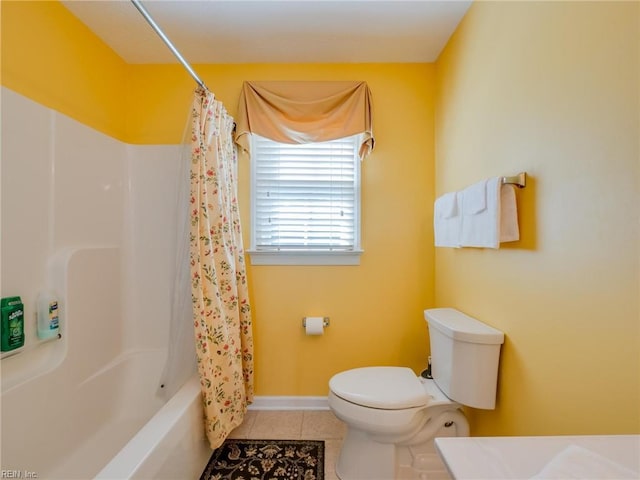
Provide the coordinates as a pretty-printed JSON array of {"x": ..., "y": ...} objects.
[
  {"x": 170, "y": 446},
  {"x": 62, "y": 431},
  {"x": 88, "y": 404},
  {"x": 114, "y": 418}
]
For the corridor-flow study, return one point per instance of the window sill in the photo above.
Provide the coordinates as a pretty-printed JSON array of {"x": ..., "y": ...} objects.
[{"x": 259, "y": 257}]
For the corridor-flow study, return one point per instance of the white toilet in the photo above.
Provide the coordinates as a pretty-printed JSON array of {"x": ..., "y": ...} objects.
[{"x": 393, "y": 416}]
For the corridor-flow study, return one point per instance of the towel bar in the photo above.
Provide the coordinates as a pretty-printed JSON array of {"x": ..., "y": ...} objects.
[{"x": 519, "y": 180}]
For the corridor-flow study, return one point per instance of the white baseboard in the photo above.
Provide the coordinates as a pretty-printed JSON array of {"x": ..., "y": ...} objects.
[{"x": 289, "y": 403}]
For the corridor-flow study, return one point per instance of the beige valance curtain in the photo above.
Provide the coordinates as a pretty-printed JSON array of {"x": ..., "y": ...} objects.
[{"x": 304, "y": 112}]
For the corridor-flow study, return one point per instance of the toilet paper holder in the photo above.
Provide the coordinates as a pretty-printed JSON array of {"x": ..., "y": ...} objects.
[{"x": 325, "y": 322}]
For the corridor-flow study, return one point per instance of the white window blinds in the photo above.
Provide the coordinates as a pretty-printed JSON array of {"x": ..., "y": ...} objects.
[{"x": 305, "y": 197}]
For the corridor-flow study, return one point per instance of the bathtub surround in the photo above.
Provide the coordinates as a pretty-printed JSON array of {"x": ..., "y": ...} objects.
[
  {"x": 101, "y": 242},
  {"x": 221, "y": 308},
  {"x": 43, "y": 153}
]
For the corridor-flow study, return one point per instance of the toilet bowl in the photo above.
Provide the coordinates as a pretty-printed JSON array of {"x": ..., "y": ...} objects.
[{"x": 393, "y": 415}]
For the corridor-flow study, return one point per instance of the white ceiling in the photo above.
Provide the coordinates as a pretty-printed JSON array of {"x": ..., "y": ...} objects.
[{"x": 267, "y": 31}]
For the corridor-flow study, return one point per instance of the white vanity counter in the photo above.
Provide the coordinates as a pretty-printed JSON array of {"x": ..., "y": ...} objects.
[{"x": 605, "y": 457}]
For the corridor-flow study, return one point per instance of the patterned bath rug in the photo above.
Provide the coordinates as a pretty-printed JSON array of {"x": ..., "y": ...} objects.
[{"x": 240, "y": 459}]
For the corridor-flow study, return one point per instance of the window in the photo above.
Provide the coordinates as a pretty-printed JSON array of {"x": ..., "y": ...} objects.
[{"x": 305, "y": 202}]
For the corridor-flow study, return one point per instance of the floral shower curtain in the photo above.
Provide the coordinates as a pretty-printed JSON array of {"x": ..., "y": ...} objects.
[{"x": 221, "y": 311}]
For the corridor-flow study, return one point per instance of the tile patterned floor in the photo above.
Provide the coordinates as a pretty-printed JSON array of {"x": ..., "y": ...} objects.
[{"x": 296, "y": 425}]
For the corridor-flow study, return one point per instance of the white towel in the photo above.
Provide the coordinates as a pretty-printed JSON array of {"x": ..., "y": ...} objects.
[
  {"x": 481, "y": 214},
  {"x": 509, "y": 231},
  {"x": 489, "y": 214},
  {"x": 578, "y": 462},
  {"x": 447, "y": 220},
  {"x": 475, "y": 198}
]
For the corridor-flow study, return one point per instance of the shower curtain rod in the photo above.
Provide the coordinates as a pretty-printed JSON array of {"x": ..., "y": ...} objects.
[{"x": 164, "y": 38}]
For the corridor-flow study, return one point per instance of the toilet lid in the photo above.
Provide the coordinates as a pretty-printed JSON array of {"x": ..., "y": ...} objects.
[{"x": 388, "y": 388}]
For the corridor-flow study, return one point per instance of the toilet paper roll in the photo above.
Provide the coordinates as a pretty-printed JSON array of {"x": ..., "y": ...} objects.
[{"x": 314, "y": 325}]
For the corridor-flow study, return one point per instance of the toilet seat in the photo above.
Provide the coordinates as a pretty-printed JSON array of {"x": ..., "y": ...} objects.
[{"x": 385, "y": 388}]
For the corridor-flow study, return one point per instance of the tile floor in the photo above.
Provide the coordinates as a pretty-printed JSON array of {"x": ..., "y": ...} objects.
[{"x": 296, "y": 425}]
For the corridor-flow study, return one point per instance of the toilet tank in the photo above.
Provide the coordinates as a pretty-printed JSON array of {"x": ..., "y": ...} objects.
[{"x": 464, "y": 357}]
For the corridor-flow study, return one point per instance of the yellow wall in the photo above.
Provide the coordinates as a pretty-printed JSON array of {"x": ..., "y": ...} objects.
[
  {"x": 552, "y": 89},
  {"x": 52, "y": 58}
]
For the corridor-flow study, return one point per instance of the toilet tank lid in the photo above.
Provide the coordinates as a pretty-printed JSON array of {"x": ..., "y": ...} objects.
[{"x": 459, "y": 326}]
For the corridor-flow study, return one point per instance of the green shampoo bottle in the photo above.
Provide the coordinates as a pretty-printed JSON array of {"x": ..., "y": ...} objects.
[{"x": 12, "y": 326}]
